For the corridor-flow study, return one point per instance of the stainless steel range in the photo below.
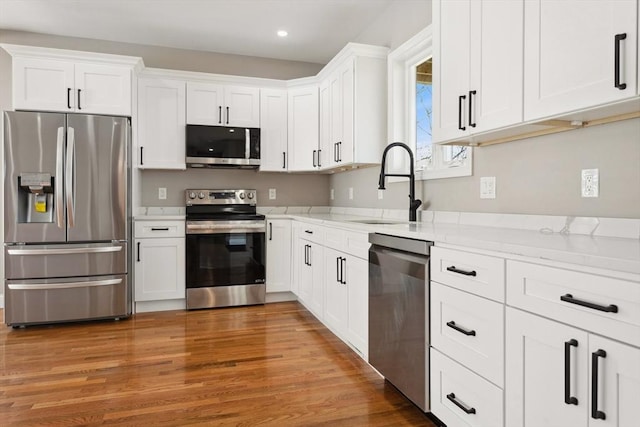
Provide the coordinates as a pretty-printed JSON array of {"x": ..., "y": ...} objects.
[{"x": 225, "y": 249}]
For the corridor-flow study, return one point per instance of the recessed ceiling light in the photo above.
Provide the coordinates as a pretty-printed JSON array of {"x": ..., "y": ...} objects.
[{"x": 282, "y": 33}]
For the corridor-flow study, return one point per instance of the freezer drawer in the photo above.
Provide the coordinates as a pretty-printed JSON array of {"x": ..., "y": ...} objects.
[
  {"x": 68, "y": 260},
  {"x": 66, "y": 299}
]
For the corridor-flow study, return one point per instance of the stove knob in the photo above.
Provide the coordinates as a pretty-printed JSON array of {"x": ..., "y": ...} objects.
[
  {"x": 250, "y": 196},
  {"x": 201, "y": 195},
  {"x": 241, "y": 195},
  {"x": 192, "y": 195}
]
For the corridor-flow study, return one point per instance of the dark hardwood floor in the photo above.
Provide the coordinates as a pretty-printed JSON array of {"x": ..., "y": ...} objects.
[{"x": 261, "y": 365}]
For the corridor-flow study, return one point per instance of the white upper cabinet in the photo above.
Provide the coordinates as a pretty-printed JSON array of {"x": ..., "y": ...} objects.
[
  {"x": 477, "y": 81},
  {"x": 273, "y": 130},
  {"x": 353, "y": 107},
  {"x": 161, "y": 124},
  {"x": 303, "y": 128},
  {"x": 221, "y": 105},
  {"x": 71, "y": 81},
  {"x": 578, "y": 54}
]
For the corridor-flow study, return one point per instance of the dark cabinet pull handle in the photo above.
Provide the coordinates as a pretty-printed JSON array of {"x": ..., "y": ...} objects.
[
  {"x": 452, "y": 397},
  {"x": 308, "y": 231},
  {"x": 460, "y": 99},
  {"x": 284, "y": 160},
  {"x": 453, "y": 325},
  {"x": 319, "y": 165},
  {"x": 611, "y": 308},
  {"x": 471, "y": 93},
  {"x": 343, "y": 268},
  {"x": 309, "y": 257},
  {"x": 598, "y": 415},
  {"x": 270, "y": 231},
  {"x": 335, "y": 152},
  {"x": 339, "y": 151},
  {"x": 141, "y": 158},
  {"x": 138, "y": 257},
  {"x": 306, "y": 262},
  {"x": 463, "y": 272},
  {"x": 227, "y": 115},
  {"x": 616, "y": 61},
  {"x": 79, "y": 108},
  {"x": 69, "y": 98},
  {"x": 220, "y": 114},
  {"x": 159, "y": 228},
  {"x": 338, "y": 265},
  {"x": 568, "y": 399},
  {"x": 314, "y": 158}
]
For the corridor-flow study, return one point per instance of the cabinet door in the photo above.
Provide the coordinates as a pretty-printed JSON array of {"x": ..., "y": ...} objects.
[
  {"x": 205, "y": 104},
  {"x": 102, "y": 89},
  {"x": 42, "y": 84},
  {"x": 569, "y": 58},
  {"x": 161, "y": 124},
  {"x": 242, "y": 106},
  {"x": 273, "y": 130},
  {"x": 278, "y": 255},
  {"x": 335, "y": 108},
  {"x": 336, "y": 292},
  {"x": 617, "y": 382},
  {"x": 346, "y": 143},
  {"x": 327, "y": 146},
  {"x": 303, "y": 128},
  {"x": 159, "y": 269},
  {"x": 496, "y": 73},
  {"x": 451, "y": 52},
  {"x": 356, "y": 274},
  {"x": 536, "y": 370}
]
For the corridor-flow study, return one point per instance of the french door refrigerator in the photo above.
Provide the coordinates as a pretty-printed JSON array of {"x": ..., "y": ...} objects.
[{"x": 66, "y": 217}]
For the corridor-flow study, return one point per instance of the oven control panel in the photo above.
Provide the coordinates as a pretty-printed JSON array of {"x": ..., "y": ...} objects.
[{"x": 220, "y": 197}]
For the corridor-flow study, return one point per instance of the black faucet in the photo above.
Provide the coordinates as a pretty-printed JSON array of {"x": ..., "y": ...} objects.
[{"x": 413, "y": 203}]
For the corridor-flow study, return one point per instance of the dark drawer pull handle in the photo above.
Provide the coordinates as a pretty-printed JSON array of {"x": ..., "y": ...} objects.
[
  {"x": 463, "y": 272},
  {"x": 308, "y": 231},
  {"x": 453, "y": 325},
  {"x": 138, "y": 259},
  {"x": 452, "y": 397},
  {"x": 611, "y": 308},
  {"x": 616, "y": 62},
  {"x": 598, "y": 415},
  {"x": 568, "y": 399},
  {"x": 159, "y": 228}
]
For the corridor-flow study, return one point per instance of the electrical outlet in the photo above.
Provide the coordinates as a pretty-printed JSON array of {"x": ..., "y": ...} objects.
[
  {"x": 488, "y": 187},
  {"x": 162, "y": 193},
  {"x": 380, "y": 194},
  {"x": 590, "y": 183},
  {"x": 350, "y": 193},
  {"x": 272, "y": 194},
  {"x": 332, "y": 194}
]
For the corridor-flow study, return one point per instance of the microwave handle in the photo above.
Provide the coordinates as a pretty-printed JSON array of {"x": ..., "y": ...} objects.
[{"x": 247, "y": 143}]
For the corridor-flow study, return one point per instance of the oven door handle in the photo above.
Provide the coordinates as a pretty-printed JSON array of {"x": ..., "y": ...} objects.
[{"x": 224, "y": 229}]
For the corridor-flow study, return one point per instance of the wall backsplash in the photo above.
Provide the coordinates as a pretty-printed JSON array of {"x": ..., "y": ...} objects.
[
  {"x": 291, "y": 189},
  {"x": 539, "y": 176}
]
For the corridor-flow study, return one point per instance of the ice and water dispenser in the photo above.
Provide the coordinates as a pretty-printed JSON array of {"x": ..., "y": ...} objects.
[{"x": 35, "y": 197}]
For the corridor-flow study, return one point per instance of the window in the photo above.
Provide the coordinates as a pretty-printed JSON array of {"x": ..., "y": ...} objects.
[{"x": 411, "y": 95}]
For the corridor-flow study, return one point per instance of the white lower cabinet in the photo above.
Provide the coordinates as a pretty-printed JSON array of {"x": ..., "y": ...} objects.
[
  {"x": 159, "y": 261},
  {"x": 310, "y": 277},
  {"x": 558, "y": 375},
  {"x": 459, "y": 397},
  {"x": 278, "y": 255}
]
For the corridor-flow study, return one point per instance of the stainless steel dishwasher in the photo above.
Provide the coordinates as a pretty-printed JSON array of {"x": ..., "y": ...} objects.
[{"x": 399, "y": 313}]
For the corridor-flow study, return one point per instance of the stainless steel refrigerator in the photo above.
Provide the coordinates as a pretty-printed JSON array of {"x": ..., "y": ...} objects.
[{"x": 66, "y": 217}]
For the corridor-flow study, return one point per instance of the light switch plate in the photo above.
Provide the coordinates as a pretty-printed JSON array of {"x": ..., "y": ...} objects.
[
  {"x": 488, "y": 187},
  {"x": 272, "y": 194},
  {"x": 162, "y": 193},
  {"x": 590, "y": 183}
]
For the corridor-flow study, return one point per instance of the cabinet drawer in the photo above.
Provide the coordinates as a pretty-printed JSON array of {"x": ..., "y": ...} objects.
[
  {"x": 469, "y": 329},
  {"x": 352, "y": 243},
  {"x": 452, "y": 385},
  {"x": 479, "y": 274},
  {"x": 596, "y": 303},
  {"x": 159, "y": 229},
  {"x": 312, "y": 233}
]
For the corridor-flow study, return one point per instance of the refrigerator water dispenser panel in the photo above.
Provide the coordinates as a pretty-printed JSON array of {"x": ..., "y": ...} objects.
[{"x": 35, "y": 197}]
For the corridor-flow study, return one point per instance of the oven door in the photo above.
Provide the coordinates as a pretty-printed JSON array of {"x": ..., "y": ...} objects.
[{"x": 225, "y": 253}]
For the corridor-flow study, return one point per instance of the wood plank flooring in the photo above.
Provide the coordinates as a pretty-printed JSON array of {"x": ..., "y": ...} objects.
[{"x": 262, "y": 365}]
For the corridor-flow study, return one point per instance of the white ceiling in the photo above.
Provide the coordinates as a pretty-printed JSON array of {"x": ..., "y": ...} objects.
[{"x": 318, "y": 29}]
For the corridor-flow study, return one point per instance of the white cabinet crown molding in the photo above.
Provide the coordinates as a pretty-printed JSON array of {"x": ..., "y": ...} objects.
[
  {"x": 73, "y": 55},
  {"x": 351, "y": 50},
  {"x": 196, "y": 76}
]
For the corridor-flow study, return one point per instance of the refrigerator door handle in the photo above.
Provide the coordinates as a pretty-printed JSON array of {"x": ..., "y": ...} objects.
[
  {"x": 70, "y": 175},
  {"x": 64, "y": 285},
  {"x": 58, "y": 184},
  {"x": 64, "y": 251}
]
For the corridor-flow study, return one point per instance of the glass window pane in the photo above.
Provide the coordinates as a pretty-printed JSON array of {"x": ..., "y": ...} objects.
[{"x": 424, "y": 109}]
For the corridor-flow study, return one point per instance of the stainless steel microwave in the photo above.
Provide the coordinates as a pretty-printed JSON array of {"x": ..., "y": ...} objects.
[{"x": 220, "y": 146}]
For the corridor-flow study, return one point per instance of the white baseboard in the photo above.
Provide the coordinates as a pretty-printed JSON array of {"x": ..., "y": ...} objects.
[
  {"x": 280, "y": 297},
  {"x": 164, "y": 305}
]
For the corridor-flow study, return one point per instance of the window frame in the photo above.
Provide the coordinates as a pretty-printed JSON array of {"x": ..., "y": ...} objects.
[{"x": 402, "y": 64}]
